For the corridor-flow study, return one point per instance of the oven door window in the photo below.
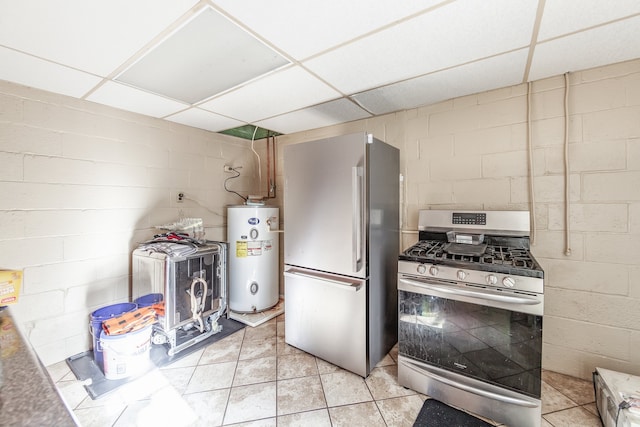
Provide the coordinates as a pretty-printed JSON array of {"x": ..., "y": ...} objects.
[{"x": 490, "y": 344}]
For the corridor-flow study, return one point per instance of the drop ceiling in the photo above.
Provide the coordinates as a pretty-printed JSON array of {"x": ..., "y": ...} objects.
[{"x": 289, "y": 65}]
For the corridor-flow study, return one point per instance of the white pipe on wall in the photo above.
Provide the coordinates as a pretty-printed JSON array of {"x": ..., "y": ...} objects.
[
  {"x": 567, "y": 188},
  {"x": 532, "y": 198}
]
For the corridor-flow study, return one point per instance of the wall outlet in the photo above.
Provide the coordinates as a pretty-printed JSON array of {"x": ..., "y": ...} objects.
[
  {"x": 180, "y": 197},
  {"x": 228, "y": 168}
]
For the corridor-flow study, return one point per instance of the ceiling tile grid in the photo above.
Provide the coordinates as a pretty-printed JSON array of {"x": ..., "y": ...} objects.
[
  {"x": 208, "y": 55},
  {"x": 444, "y": 38},
  {"x": 607, "y": 44},
  {"x": 280, "y": 92},
  {"x": 498, "y": 71},
  {"x": 302, "y": 29},
  {"x": 138, "y": 101},
  {"x": 202, "y": 119},
  {"x": 96, "y": 37},
  {"x": 291, "y": 66},
  {"x": 327, "y": 114},
  {"x": 562, "y": 17},
  {"x": 28, "y": 70}
]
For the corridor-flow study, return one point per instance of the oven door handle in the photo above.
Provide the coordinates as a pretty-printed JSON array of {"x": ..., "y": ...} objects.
[
  {"x": 480, "y": 295},
  {"x": 474, "y": 390}
]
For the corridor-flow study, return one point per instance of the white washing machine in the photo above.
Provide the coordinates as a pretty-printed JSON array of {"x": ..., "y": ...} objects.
[{"x": 253, "y": 257}]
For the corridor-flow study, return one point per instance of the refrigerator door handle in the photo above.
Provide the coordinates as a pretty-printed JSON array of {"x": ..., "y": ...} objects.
[
  {"x": 347, "y": 286},
  {"x": 356, "y": 232}
]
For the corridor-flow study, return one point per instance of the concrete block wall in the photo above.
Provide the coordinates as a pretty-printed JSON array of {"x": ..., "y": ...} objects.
[
  {"x": 80, "y": 186},
  {"x": 472, "y": 153}
]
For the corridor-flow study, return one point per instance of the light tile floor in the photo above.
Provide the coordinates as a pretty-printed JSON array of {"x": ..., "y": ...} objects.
[{"x": 252, "y": 378}]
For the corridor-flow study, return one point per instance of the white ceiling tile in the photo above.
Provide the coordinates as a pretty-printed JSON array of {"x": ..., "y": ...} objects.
[
  {"x": 457, "y": 33},
  {"x": 566, "y": 16},
  {"x": 492, "y": 73},
  {"x": 327, "y": 114},
  {"x": 609, "y": 44},
  {"x": 207, "y": 120},
  {"x": 131, "y": 99},
  {"x": 280, "y": 92},
  {"x": 302, "y": 28},
  {"x": 90, "y": 36},
  {"x": 392, "y": 55},
  {"x": 205, "y": 57},
  {"x": 33, "y": 72}
]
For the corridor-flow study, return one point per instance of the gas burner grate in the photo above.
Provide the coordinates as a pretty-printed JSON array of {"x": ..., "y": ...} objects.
[
  {"x": 514, "y": 257},
  {"x": 494, "y": 255},
  {"x": 428, "y": 249}
]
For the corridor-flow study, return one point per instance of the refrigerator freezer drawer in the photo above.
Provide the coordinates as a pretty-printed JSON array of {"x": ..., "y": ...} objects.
[{"x": 326, "y": 317}]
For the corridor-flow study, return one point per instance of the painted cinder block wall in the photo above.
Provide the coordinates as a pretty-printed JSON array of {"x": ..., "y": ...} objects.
[
  {"x": 80, "y": 186},
  {"x": 472, "y": 153}
]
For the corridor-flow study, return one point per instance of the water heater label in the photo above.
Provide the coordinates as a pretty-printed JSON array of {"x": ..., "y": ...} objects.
[
  {"x": 252, "y": 248},
  {"x": 253, "y": 221},
  {"x": 241, "y": 249}
]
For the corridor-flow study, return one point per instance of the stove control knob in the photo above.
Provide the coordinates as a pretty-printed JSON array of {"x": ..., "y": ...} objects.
[
  {"x": 492, "y": 279},
  {"x": 461, "y": 275},
  {"x": 422, "y": 268},
  {"x": 433, "y": 270},
  {"x": 509, "y": 282}
]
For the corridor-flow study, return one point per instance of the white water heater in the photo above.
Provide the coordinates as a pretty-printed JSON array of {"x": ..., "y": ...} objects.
[{"x": 253, "y": 257}]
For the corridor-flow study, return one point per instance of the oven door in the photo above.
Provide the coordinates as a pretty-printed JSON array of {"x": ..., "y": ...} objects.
[{"x": 491, "y": 336}]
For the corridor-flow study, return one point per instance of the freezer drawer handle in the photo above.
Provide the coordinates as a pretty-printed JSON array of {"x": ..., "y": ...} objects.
[
  {"x": 347, "y": 286},
  {"x": 480, "y": 295}
]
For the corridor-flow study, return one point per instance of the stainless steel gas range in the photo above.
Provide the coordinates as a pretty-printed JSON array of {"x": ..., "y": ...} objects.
[{"x": 471, "y": 299}]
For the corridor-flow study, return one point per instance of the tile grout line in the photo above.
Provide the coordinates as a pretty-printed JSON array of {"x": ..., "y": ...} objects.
[
  {"x": 235, "y": 371},
  {"x": 281, "y": 347}
]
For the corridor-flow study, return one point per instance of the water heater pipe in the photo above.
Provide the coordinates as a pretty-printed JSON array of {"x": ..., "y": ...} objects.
[
  {"x": 271, "y": 173},
  {"x": 271, "y": 230}
]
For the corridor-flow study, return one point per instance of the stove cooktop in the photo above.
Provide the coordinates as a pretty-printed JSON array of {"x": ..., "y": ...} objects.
[{"x": 497, "y": 258}]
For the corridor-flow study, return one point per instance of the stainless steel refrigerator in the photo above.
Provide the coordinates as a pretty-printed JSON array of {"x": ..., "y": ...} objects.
[{"x": 341, "y": 231}]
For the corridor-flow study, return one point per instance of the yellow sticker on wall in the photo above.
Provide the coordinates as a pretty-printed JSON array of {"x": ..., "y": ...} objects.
[{"x": 10, "y": 281}]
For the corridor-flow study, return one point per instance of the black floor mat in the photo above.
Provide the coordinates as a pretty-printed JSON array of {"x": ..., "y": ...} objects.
[
  {"x": 84, "y": 367},
  {"x": 437, "y": 414}
]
